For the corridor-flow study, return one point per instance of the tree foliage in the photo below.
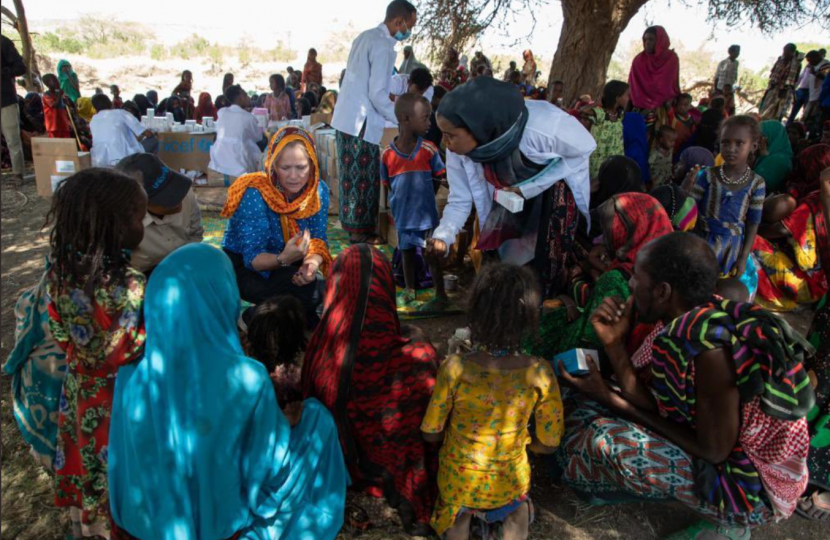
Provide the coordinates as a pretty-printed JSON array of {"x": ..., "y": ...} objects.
[
  {"x": 769, "y": 15},
  {"x": 446, "y": 24}
]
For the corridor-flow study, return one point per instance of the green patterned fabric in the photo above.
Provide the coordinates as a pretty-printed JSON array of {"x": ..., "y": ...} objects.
[{"x": 557, "y": 335}]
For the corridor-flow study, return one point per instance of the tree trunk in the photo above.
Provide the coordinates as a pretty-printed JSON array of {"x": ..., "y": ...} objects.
[
  {"x": 28, "y": 53},
  {"x": 590, "y": 32}
]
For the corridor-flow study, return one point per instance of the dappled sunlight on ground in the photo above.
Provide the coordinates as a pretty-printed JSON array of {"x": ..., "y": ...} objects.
[{"x": 28, "y": 512}]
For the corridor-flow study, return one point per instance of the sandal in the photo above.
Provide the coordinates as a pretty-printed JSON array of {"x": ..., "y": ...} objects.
[
  {"x": 813, "y": 507},
  {"x": 409, "y": 296},
  {"x": 356, "y": 517}
]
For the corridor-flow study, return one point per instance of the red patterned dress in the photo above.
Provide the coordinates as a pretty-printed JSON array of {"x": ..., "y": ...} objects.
[
  {"x": 376, "y": 383},
  {"x": 99, "y": 334}
]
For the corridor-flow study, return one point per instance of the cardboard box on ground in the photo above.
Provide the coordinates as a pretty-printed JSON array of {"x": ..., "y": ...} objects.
[
  {"x": 186, "y": 150},
  {"x": 56, "y": 160}
]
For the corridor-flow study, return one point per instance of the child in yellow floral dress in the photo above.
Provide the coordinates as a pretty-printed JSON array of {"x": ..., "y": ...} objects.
[{"x": 481, "y": 407}]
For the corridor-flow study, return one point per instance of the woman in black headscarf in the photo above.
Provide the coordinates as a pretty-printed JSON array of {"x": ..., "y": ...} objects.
[
  {"x": 534, "y": 152},
  {"x": 153, "y": 97},
  {"x": 142, "y": 103}
]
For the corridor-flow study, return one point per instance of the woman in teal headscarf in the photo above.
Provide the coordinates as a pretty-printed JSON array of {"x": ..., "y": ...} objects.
[
  {"x": 69, "y": 81},
  {"x": 198, "y": 446},
  {"x": 775, "y": 165}
]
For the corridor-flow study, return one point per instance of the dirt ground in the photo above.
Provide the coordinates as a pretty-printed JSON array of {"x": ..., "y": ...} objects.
[{"x": 28, "y": 512}]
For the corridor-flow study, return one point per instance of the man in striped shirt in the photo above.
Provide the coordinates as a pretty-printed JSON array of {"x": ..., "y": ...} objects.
[{"x": 727, "y": 72}]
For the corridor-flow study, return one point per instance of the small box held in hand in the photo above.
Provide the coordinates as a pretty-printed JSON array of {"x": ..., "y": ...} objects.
[
  {"x": 575, "y": 361},
  {"x": 512, "y": 201}
]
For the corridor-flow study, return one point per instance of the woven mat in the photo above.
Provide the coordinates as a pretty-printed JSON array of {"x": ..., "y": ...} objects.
[{"x": 338, "y": 241}]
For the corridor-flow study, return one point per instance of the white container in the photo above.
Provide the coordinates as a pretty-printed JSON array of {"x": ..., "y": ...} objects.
[
  {"x": 512, "y": 201},
  {"x": 144, "y": 121},
  {"x": 207, "y": 122},
  {"x": 170, "y": 117},
  {"x": 450, "y": 282},
  {"x": 151, "y": 113},
  {"x": 307, "y": 121}
]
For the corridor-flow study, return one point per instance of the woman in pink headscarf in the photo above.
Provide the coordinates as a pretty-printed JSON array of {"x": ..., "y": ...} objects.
[{"x": 655, "y": 72}]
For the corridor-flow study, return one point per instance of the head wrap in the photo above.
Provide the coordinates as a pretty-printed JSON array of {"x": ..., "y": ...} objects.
[
  {"x": 304, "y": 206},
  {"x": 654, "y": 77}
]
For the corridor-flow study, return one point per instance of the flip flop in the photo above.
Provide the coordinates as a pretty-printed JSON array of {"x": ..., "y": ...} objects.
[
  {"x": 813, "y": 508},
  {"x": 356, "y": 517}
]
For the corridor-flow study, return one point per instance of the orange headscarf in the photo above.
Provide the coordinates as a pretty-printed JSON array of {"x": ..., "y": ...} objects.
[{"x": 304, "y": 206}]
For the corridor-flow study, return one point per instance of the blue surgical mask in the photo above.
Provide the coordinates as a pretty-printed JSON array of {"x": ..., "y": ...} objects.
[{"x": 401, "y": 36}]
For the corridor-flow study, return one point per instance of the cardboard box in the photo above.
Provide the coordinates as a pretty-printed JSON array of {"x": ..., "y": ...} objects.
[
  {"x": 332, "y": 166},
  {"x": 321, "y": 118},
  {"x": 575, "y": 361},
  {"x": 188, "y": 151},
  {"x": 389, "y": 135},
  {"x": 56, "y": 160},
  {"x": 215, "y": 179},
  {"x": 331, "y": 144},
  {"x": 333, "y": 182},
  {"x": 512, "y": 201}
]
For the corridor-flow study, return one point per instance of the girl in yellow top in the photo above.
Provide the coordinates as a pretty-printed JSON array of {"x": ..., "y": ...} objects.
[{"x": 481, "y": 406}]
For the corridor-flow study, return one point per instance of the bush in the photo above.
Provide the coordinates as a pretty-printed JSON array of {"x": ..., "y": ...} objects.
[
  {"x": 158, "y": 52},
  {"x": 98, "y": 38}
]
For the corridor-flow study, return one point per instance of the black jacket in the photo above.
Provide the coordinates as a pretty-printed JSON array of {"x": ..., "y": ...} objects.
[{"x": 13, "y": 66}]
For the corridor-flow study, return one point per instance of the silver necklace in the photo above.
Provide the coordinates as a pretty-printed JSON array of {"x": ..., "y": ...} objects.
[{"x": 726, "y": 180}]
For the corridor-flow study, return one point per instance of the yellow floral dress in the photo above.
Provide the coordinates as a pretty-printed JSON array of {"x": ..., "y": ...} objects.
[{"x": 483, "y": 461}]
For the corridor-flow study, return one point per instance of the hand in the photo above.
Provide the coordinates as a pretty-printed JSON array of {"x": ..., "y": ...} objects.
[
  {"x": 570, "y": 305},
  {"x": 612, "y": 320},
  {"x": 740, "y": 267},
  {"x": 515, "y": 190},
  {"x": 306, "y": 274},
  {"x": 436, "y": 248},
  {"x": 592, "y": 384},
  {"x": 293, "y": 412},
  {"x": 689, "y": 182},
  {"x": 297, "y": 248}
]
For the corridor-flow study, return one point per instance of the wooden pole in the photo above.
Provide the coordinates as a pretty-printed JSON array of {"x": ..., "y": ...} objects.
[{"x": 28, "y": 51}]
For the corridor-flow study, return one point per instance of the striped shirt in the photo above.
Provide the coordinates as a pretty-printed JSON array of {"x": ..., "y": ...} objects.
[{"x": 727, "y": 73}]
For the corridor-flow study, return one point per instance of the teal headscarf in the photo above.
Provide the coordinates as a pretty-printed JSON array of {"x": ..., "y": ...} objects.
[
  {"x": 37, "y": 366},
  {"x": 776, "y": 165},
  {"x": 198, "y": 447},
  {"x": 68, "y": 81}
]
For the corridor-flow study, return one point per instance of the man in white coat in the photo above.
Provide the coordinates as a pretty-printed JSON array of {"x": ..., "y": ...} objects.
[
  {"x": 363, "y": 109},
  {"x": 235, "y": 151}
]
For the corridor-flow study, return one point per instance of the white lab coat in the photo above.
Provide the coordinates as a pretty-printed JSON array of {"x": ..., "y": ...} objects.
[
  {"x": 114, "y": 137},
  {"x": 550, "y": 133},
  {"x": 235, "y": 151},
  {"x": 364, "y": 95}
]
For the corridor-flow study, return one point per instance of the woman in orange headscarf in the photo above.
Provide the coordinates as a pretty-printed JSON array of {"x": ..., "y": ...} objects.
[{"x": 276, "y": 236}]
